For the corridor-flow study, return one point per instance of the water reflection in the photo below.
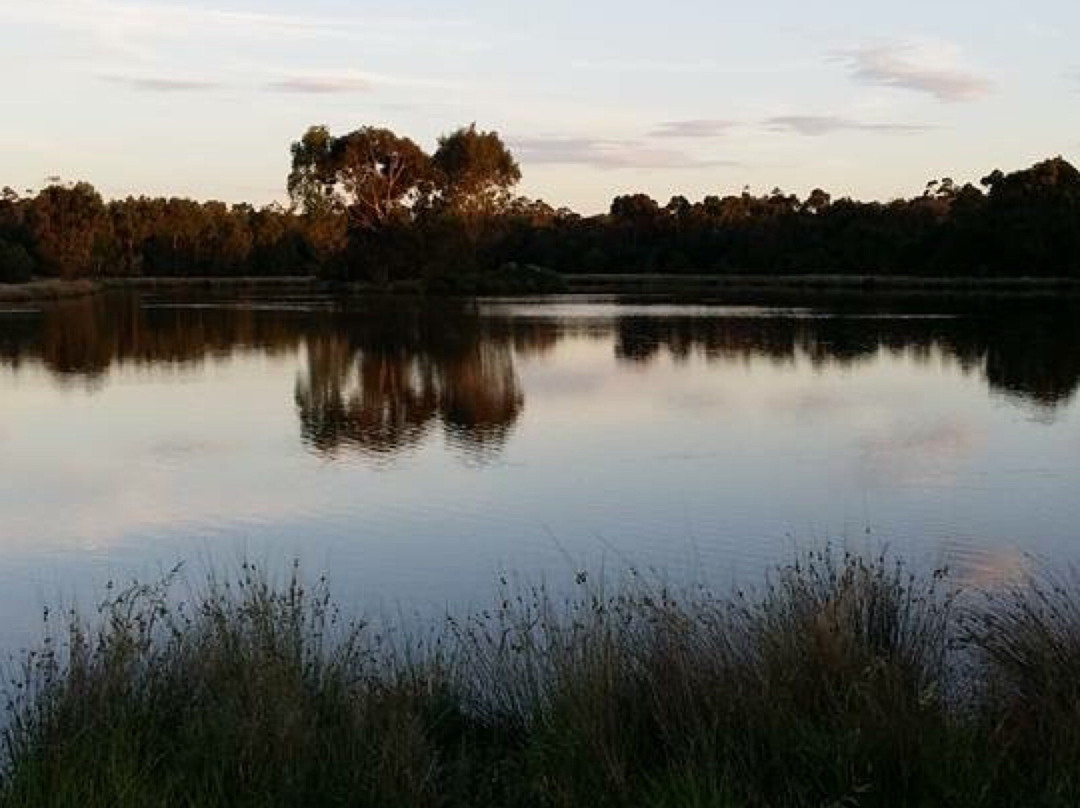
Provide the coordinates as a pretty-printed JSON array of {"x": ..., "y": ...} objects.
[
  {"x": 80, "y": 341},
  {"x": 379, "y": 384},
  {"x": 415, "y": 449},
  {"x": 381, "y": 377},
  {"x": 1028, "y": 352}
]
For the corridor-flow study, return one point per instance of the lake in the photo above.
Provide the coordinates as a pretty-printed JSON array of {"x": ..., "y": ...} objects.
[{"x": 417, "y": 451}]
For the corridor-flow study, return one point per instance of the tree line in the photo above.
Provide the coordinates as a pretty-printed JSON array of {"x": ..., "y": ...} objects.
[
  {"x": 372, "y": 205},
  {"x": 69, "y": 231}
]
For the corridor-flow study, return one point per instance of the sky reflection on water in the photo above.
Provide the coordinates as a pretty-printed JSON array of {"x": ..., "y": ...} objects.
[{"x": 415, "y": 451}]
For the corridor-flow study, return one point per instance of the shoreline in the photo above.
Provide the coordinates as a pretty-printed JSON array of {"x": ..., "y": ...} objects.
[
  {"x": 637, "y": 282},
  {"x": 45, "y": 291},
  {"x": 53, "y": 289},
  {"x": 627, "y": 283}
]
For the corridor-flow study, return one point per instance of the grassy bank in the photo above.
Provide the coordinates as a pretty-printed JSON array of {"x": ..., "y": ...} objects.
[
  {"x": 841, "y": 682},
  {"x": 529, "y": 280},
  {"x": 286, "y": 282},
  {"x": 814, "y": 283},
  {"x": 44, "y": 291}
]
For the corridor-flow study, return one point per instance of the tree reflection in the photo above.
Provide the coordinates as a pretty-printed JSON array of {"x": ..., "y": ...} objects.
[
  {"x": 379, "y": 378},
  {"x": 82, "y": 340},
  {"x": 1038, "y": 361},
  {"x": 377, "y": 403},
  {"x": 1028, "y": 351},
  {"x": 380, "y": 382}
]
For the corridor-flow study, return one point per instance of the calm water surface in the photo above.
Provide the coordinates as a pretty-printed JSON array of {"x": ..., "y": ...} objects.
[{"x": 416, "y": 451}]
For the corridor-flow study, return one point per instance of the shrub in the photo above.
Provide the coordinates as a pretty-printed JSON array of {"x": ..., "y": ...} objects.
[{"x": 16, "y": 265}]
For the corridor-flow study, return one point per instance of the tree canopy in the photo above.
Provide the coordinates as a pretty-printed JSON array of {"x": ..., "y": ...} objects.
[
  {"x": 475, "y": 171},
  {"x": 371, "y": 174},
  {"x": 372, "y": 204}
]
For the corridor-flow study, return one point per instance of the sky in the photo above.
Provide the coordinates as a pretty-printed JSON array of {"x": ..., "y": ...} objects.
[{"x": 202, "y": 98}]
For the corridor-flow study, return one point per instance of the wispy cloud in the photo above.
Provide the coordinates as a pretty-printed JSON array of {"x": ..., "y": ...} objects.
[
  {"x": 683, "y": 66},
  {"x": 646, "y": 66},
  {"x": 603, "y": 153},
  {"x": 299, "y": 84},
  {"x": 701, "y": 128},
  {"x": 159, "y": 84},
  {"x": 123, "y": 21},
  {"x": 320, "y": 85},
  {"x": 927, "y": 67},
  {"x": 816, "y": 125}
]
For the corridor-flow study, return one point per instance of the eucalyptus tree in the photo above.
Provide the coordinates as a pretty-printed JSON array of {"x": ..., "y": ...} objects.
[
  {"x": 475, "y": 172},
  {"x": 68, "y": 225},
  {"x": 372, "y": 178},
  {"x": 372, "y": 175},
  {"x": 467, "y": 213}
]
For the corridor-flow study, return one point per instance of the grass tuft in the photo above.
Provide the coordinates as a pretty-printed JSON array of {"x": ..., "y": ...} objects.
[{"x": 843, "y": 681}]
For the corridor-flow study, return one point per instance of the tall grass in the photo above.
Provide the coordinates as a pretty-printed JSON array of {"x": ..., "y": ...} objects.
[
  {"x": 842, "y": 681},
  {"x": 1027, "y": 640}
]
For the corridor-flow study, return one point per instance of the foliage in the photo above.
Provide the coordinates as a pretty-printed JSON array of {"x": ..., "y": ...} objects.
[
  {"x": 372, "y": 205},
  {"x": 839, "y": 683},
  {"x": 370, "y": 175},
  {"x": 65, "y": 224},
  {"x": 475, "y": 171},
  {"x": 16, "y": 265},
  {"x": 70, "y": 232}
]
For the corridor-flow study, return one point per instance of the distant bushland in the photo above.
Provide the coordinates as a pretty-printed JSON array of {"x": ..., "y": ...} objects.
[
  {"x": 371, "y": 205},
  {"x": 840, "y": 681}
]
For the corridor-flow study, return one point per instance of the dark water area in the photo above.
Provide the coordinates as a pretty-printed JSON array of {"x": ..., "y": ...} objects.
[{"x": 416, "y": 450}]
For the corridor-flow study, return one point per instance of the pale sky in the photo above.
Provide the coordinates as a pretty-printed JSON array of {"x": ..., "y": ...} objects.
[{"x": 202, "y": 98}]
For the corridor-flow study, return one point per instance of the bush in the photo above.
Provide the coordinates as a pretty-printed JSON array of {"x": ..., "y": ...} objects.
[{"x": 16, "y": 265}]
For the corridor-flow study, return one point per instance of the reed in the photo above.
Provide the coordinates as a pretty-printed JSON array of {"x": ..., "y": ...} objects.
[{"x": 840, "y": 681}]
